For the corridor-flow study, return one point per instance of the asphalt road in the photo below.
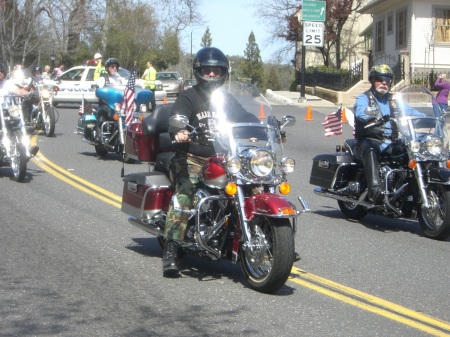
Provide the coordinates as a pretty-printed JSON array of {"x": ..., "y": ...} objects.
[{"x": 71, "y": 265}]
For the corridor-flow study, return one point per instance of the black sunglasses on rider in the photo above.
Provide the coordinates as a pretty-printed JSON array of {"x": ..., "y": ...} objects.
[{"x": 386, "y": 79}]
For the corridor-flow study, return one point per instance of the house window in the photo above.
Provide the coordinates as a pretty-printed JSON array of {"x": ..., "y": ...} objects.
[
  {"x": 379, "y": 36},
  {"x": 442, "y": 32},
  {"x": 390, "y": 23},
  {"x": 400, "y": 25}
]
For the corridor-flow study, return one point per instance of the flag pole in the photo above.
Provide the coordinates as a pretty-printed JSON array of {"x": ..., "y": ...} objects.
[{"x": 342, "y": 131}]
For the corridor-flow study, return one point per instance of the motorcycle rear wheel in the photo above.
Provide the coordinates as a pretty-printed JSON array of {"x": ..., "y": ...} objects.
[
  {"x": 18, "y": 157},
  {"x": 49, "y": 119},
  {"x": 351, "y": 210},
  {"x": 435, "y": 221},
  {"x": 268, "y": 262}
]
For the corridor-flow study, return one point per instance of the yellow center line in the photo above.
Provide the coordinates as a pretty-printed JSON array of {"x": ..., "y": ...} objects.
[
  {"x": 371, "y": 303},
  {"x": 321, "y": 285}
]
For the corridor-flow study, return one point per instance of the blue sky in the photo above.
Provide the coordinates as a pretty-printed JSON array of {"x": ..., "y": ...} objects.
[{"x": 230, "y": 23}]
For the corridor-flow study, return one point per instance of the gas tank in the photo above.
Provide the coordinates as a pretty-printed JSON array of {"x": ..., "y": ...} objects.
[{"x": 214, "y": 172}]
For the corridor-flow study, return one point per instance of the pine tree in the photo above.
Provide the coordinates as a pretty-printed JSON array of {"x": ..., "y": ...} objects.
[
  {"x": 206, "y": 39},
  {"x": 252, "y": 66}
]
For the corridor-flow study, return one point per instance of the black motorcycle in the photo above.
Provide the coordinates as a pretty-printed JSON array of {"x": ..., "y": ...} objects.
[
  {"x": 414, "y": 168},
  {"x": 44, "y": 115}
]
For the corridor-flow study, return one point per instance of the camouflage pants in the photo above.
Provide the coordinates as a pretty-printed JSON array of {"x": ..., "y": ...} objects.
[{"x": 185, "y": 170}]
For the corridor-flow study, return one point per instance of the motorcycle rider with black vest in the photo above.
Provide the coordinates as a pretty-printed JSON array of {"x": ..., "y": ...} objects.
[
  {"x": 372, "y": 141},
  {"x": 210, "y": 68}
]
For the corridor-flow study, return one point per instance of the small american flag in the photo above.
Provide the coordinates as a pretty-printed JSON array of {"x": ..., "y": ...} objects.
[
  {"x": 127, "y": 106},
  {"x": 333, "y": 123},
  {"x": 88, "y": 107}
]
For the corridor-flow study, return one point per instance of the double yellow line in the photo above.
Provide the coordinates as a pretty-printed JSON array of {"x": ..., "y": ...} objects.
[
  {"x": 364, "y": 301},
  {"x": 376, "y": 305}
]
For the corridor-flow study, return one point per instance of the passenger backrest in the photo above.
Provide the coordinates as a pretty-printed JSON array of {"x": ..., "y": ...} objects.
[{"x": 158, "y": 120}]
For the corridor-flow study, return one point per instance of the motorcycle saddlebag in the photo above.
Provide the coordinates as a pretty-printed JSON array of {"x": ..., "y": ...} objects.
[
  {"x": 327, "y": 170},
  {"x": 146, "y": 194},
  {"x": 139, "y": 145}
]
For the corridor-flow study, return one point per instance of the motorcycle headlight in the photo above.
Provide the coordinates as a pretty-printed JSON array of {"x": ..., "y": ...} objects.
[
  {"x": 45, "y": 94},
  {"x": 117, "y": 107},
  {"x": 261, "y": 163},
  {"x": 143, "y": 108},
  {"x": 433, "y": 145},
  {"x": 287, "y": 165},
  {"x": 234, "y": 165},
  {"x": 414, "y": 146}
]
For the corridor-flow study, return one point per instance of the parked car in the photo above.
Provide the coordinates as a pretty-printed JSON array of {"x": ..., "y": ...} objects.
[
  {"x": 172, "y": 82},
  {"x": 77, "y": 82},
  {"x": 189, "y": 83}
]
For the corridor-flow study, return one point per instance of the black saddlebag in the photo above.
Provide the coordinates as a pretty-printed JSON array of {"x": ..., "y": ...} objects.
[{"x": 329, "y": 170}]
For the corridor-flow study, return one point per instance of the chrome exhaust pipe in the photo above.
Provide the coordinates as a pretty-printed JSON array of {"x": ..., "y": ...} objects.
[
  {"x": 146, "y": 227},
  {"x": 333, "y": 195}
]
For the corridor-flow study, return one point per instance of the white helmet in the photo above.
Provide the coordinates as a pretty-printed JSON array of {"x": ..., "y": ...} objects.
[{"x": 97, "y": 56}]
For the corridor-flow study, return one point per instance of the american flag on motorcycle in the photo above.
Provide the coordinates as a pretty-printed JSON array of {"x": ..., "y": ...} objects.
[
  {"x": 127, "y": 106},
  {"x": 86, "y": 107},
  {"x": 333, "y": 123}
]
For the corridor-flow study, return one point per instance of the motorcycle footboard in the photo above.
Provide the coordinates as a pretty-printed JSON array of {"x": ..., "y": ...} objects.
[{"x": 146, "y": 195}]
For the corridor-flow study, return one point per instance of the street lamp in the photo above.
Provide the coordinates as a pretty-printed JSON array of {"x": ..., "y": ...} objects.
[{"x": 53, "y": 58}]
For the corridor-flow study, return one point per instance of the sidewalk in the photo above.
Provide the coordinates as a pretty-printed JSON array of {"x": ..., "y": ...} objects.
[{"x": 293, "y": 98}]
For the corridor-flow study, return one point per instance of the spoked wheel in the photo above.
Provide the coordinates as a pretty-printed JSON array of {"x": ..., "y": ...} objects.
[
  {"x": 49, "y": 121},
  {"x": 18, "y": 157},
  {"x": 267, "y": 261},
  {"x": 352, "y": 210},
  {"x": 435, "y": 221}
]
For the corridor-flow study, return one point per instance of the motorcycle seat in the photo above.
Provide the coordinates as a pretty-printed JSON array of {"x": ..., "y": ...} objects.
[
  {"x": 158, "y": 121},
  {"x": 350, "y": 147}
]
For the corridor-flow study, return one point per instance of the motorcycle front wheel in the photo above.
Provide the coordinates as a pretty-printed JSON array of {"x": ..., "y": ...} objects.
[
  {"x": 18, "y": 157},
  {"x": 267, "y": 261},
  {"x": 49, "y": 121},
  {"x": 435, "y": 221}
]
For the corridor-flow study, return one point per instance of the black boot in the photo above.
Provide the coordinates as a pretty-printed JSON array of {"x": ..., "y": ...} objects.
[
  {"x": 371, "y": 170},
  {"x": 170, "y": 256}
]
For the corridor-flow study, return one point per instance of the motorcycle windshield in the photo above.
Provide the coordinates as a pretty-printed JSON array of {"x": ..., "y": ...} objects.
[
  {"x": 244, "y": 128},
  {"x": 420, "y": 123}
]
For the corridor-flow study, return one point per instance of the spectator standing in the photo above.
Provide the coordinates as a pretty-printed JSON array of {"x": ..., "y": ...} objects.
[
  {"x": 99, "y": 70},
  {"x": 46, "y": 74},
  {"x": 59, "y": 70},
  {"x": 150, "y": 77},
  {"x": 444, "y": 88}
]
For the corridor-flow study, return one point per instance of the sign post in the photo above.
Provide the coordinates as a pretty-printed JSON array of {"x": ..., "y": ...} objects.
[{"x": 313, "y": 17}]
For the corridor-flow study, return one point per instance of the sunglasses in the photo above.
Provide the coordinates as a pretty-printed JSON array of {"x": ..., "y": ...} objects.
[
  {"x": 386, "y": 79},
  {"x": 113, "y": 66},
  {"x": 208, "y": 70}
]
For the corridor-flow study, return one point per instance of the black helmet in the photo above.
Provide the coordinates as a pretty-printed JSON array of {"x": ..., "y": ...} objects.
[
  {"x": 210, "y": 57},
  {"x": 381, "y": 70},
  {"x": 36, "y": 69},
  {"x": 111, "y": 61}
]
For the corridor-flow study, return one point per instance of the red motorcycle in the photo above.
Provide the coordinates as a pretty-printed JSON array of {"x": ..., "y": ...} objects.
[{"x": 237, "y": 212}]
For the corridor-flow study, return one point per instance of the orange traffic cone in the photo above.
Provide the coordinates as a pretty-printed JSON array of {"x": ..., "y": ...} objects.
[
  {"x": 344, "y": 118},
  {"x": 261, "y": 112},
  {"x": 309, "y": 114},
  {"x": 165, "y": 100}
]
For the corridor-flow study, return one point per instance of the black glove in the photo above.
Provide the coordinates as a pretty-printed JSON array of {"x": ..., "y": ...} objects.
[{"x": 386, "y": 118}]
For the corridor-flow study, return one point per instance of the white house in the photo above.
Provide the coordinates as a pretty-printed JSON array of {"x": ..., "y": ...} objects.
[{"x": 418, "y": 30}]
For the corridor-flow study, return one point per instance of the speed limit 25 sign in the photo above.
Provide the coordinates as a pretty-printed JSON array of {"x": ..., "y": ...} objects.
[{"x": 313, "y": 33}]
